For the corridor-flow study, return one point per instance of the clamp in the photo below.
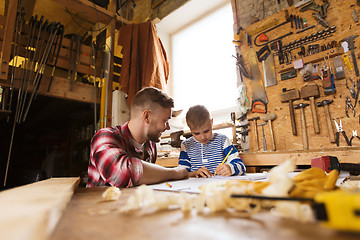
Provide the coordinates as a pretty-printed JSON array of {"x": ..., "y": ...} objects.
[
  {"x": 354, "y": 135},
  {"x": 349, "y": 105},
  {"x": 340, "y": 129},
  {"x": 352, "y": 90}
]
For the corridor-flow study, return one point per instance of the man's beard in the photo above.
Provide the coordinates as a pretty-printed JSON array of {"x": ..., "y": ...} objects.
[{"x": 154, "y": 137}]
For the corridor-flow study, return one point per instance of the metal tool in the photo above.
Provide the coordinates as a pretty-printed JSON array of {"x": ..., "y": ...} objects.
[
  {"x": 289, "y": 96},
  {"x": 255, "y": 130},
  {"x": 353, "y": 136},
  {"x": 348, "y": 105},
  {"x": 60, "y": 37},
  {"x": 351, "y": 46},
  {"x": 311, "y": 92},
  {"x": 269, "y": 71},
  {"x": 269, "y": 118},
  {"x": 259, "y": 97},
  {"x": 263, "y": 135},
  {"x": 340, "y": 129},
  {"x": 301, "y": 106},
  {"x": 325, "y": 104}
]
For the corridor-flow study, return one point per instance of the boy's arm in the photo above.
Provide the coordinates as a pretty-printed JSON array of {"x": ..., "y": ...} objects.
[
  {"x": 234, "y": 161},
  {"x": 184, "y": 159}
]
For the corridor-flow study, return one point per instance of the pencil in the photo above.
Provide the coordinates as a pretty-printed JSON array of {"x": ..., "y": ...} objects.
[
  {"x": 226, "y": 156},
  {"x": 168, "y": 184}
]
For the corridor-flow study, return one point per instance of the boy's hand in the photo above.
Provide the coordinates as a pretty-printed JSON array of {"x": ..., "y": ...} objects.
[
  {"x": 223, "y": 170},
  {"x": 202, "y": 172}
]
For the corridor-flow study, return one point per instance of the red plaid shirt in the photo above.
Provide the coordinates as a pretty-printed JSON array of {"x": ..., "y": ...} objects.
[{"x": 114, "y": 160}]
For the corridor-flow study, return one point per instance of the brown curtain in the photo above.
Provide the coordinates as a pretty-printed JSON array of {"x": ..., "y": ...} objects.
[{"x": 144, "y": 61}]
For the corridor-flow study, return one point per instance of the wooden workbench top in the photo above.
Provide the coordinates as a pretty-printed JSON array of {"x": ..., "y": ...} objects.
[{"x": 89, "y": 217}]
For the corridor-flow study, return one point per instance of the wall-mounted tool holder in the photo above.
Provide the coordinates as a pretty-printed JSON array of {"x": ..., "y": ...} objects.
[{"x": 308, "y": 50}]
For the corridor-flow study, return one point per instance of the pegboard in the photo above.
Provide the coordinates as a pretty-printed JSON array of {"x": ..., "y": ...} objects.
[{"x": 339, "y": 14}]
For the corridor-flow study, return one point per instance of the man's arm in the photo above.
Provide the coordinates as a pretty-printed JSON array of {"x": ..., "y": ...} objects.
[{"x": 153, "y": 173}]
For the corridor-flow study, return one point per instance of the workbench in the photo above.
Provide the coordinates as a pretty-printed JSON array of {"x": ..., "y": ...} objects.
[
  {"x": 49, "y": 210},
  {"x": 89, "y": 217}
]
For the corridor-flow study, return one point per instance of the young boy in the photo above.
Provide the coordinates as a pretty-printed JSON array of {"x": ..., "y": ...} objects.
[{"x": 203, "y": 153}]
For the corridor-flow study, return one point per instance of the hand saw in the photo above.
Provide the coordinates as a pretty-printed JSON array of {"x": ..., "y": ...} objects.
[{"x": 259, "y": 99}]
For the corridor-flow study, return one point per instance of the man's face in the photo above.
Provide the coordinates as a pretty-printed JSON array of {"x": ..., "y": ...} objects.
[
  {"x": 159, "y": 122},
  {"x": 203, "y": 133}
]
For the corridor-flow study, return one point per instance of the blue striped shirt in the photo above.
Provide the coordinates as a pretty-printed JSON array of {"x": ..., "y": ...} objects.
[{"x": 194, "y": 154}]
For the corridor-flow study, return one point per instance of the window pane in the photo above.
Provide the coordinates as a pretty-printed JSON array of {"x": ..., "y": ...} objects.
[{"x": 204, "y": 71}]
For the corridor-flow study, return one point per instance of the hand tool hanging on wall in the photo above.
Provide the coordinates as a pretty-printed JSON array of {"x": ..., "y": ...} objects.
[
  {"x": 351, "y": 46},
  {"x": 311, "y": 92},
  {"x": 20, "y": 21},
  {"x": 259, "y": 98},
  {"x": 22, "y": 88},
  {"x": 348, "y": 105},
  {"x": 287, "y": 20},
  {"x": 269, "y": 118},
  {"x": 58, "y": 43},
  {"x": 321, "y": 9},
  {"x": 255, "y": 132},
  {"x": 263, "y": 135},
  {"x": 269, "y": 71},
  {"x": 354, "y": 136},
  {"x": 53, "y": 29},
  {"x": 340, "y": 129},
  {"x": 325, "y": 104},
  {"x": 301, "y": 106},
  {"x": 74, "y": 52},
  {"x": 289, "y": 96}
]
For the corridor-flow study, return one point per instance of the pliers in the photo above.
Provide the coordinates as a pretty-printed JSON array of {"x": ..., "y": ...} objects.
[
  {"x": 348, "y": 105},
  {"x": 354, "y": 135},
  {"x": 352, "y": 90},
  {"x": 340, "y": 129}
]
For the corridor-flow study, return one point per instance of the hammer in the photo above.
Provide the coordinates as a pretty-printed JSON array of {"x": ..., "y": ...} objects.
[
  {"x": 256, "y": 134},
  {"x": 325, "y": 104},
  {"x": 289, "y": 96},
  {"x": 264, "y": 140},
  {"x": 268, "y": 118},
  {"x": 350, "y": 41},
  {"x": 311, "y": 92},
  {"x": 301, "y": 106}
]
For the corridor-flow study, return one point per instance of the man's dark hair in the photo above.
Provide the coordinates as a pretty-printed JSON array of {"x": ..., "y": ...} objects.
[
  {"x": 148, "y": 96},
  {"x": 197, "y": 115}
]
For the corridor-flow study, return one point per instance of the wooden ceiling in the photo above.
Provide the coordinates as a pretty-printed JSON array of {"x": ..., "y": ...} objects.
[{"x": 79, "y": 16}]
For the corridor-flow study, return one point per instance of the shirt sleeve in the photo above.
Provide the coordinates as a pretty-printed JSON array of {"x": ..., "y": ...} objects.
[
  {"x": 235, "y": 162},
  {"x": 184, "y": 160},
  {"x": 111, "y": 160}
]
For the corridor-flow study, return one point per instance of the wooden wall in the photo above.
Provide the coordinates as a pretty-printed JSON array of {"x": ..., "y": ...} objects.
[{"x": 339, "y": 13}]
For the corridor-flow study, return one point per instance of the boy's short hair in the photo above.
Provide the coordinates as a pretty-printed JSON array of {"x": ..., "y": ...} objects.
[
  {"x": 148, "y": 96},
  {"x": 197, "y": 116}
]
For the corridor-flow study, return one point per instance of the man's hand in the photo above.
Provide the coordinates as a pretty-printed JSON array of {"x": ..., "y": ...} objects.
[
  {"x": 223, "y": 170},
  {"x": 201, "y": 172}
]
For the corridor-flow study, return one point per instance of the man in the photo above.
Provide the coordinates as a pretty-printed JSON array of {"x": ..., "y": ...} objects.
[{"x": 124, "y": 156}]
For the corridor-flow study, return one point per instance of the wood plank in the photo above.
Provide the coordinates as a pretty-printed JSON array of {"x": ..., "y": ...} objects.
[
  {"x": 2, "y": 20},
  {"x": 344, "y": 154},
  {"x": 89, "y": 217},
  {"x": 301, "y": 157},
  {"x": 60, "y": 88},
  {"x": 8, "y": 36},
  {"x": 33, "y": 211}
]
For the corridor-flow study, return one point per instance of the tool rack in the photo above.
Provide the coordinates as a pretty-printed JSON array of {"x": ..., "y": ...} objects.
[
  {"x": 60, "y": 86},
  {"x": 339, "y": 14}
]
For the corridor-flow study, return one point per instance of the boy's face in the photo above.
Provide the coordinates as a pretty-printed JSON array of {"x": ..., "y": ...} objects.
[{"x": 203, "y": 133}]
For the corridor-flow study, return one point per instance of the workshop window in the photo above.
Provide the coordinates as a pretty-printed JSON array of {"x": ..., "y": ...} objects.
[{"x": 203, "y": 69}]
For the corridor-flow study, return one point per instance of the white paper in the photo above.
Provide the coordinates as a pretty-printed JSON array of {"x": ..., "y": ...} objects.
[{"x": 192, "y": 185}]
